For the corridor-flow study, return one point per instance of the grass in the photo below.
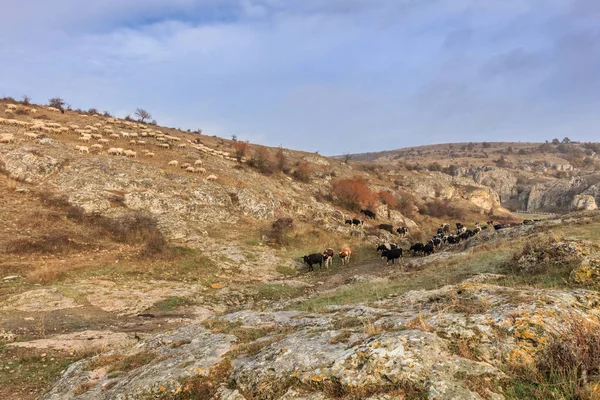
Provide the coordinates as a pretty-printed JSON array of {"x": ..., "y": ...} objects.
[
  {"x": 462, "y": 266},
  {"x": 286, "y": 270},
  {"x": 28, "y": 373},
  {"x": 171, "y": 303},
  {"x": 122, "y": 363},
  {"x": 273, "y": 291}
]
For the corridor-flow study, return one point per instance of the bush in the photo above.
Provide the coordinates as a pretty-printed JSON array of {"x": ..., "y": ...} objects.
[
  {"x": 26, "y": 100},
  {"x": 571, "y": 357},
  {"x": 353, "y": 193},
  {"x": 388, "y": 199},
  {"x": 93, "y": 111},
  {"x": 56, "y": 102},
  {"x": 303, "y": 172},
  {"x": 261, "y": 160},
  {"x": 280, "y": 230},
  {"x": 435, "y": 167},
  {"x": 442, "y": 209},
  {"x": 53, "y": 243},
  {"x": 281, "y": 162}
]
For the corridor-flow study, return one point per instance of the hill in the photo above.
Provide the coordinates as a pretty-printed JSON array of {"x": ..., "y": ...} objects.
[
  {"x": 534, "y": 177},
  {"x": 151, "y": 281}
]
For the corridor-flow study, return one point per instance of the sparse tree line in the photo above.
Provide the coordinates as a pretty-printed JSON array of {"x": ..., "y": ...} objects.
[{"x": 140, "y": 114}]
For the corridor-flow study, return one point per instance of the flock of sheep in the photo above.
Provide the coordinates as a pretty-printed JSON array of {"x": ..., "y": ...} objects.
[{"x": 110, "y": 130}]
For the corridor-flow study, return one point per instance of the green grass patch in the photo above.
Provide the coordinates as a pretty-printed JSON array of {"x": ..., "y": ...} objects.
[
  {"x": 252, "y": 242},
  {"x": 171, "y": 303},
  {"x": 453, "y": 271},
  {"x": 286, "y": 270},
  {"x": 24, "y": 373},
  {"x": 272, "y": 291}
]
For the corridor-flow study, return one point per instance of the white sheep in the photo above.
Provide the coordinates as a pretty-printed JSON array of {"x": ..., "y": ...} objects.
[
  {"x": 97, "y": 135},
  {"x": 181, "y": 146},
  {"x": 173, "y": 163},
  {"x": 96, "y": 147},
  {"x": 149, "y": 154},
  {"x": 211, "y": 178},
  {"x": 9, "y": 111},
  {"x": 7, "y": 138},
  {"x": 103, "y": 141},
  {"x": 141, "y": 142},
  {"x": 83, "y": 149},
  {"x": 114, "y": 136},
  {"x": 191, "y": 169},
  {"x": 11, "y": 106},
  {"x": 130, "y": 153},
  {"x": 185, "y": 165},
  {"x": 132, "y": 142},
  {"x": 56, "y": 110},
  {"x": 163, "y": 145},
  {"x": 31, "y": 135},
  {"x": 32, "y": 111},
  {"x": 198, "y": 162},
  {"x": 115, "y": 151},
  {"x": 85, "y": 138}
]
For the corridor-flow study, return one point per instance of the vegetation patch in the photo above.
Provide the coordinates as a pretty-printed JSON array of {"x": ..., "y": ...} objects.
[
  {"x": 274, "y": 291},
  {"x": 121, "y": 363},
  {"x": 171, "y": 303}
]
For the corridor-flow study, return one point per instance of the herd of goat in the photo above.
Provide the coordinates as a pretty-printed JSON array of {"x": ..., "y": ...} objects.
[{"x": 392, "y": 251}]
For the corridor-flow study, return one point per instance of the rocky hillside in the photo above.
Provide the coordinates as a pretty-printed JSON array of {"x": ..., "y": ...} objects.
[
  {"x": 131, "y": 277},
  {"x": 535, "y": 177}
]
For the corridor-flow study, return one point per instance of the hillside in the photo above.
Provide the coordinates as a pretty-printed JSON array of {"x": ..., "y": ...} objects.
[
  {"x": 131, "y": 277},
  {"x": 535, "y": 177}
]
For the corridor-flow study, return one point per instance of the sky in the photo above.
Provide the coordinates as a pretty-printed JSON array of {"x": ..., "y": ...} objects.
[{"x": 334, "y": 76}]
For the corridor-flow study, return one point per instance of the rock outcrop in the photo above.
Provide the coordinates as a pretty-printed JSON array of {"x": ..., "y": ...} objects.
[{"x": 428, "y": 343}]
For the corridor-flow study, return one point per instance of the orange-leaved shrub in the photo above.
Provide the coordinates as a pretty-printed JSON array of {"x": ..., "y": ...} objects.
[{"x": 353, "y": 193}]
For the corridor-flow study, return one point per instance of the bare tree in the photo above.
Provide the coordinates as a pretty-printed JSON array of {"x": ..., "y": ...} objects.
[
  {"x": 56, "y": 102},
  {"x": 142, "y": 114},
  {"x": 26, "y": 100},
  {"x": 347, "y": 157}
]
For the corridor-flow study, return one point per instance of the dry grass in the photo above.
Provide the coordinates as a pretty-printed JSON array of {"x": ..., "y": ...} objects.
[
  {"x": 567, "y": 367},
  {"x": 419, "y": 323}
]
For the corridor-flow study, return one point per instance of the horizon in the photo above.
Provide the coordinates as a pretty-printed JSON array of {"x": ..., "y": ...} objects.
[{"x": 337, "y": 77}]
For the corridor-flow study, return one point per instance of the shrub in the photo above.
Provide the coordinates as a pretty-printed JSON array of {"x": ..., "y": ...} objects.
[
  {"x": 571, "y": 357},
  {"x": 388, "y": 199},
  {"x": 53, "y": 243},
  {"x": 435, "y": 166},
  {"x": 441, "y": 209},
  {"x": 93, "y": 111},
  {"x": 142, "y": 114},
  {"x": 26, "y": 100},
  {"x": 56, "y": 102},
  {"x": 261, "y": 160},
  {"x": 303, "y": 172},
  {"x": 280, "y": 230},
  {"x": 353, "y": 193},
  {"x": 281, "y": 161}
]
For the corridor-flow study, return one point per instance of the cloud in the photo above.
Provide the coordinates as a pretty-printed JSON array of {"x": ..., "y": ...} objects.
[{"x": 334, "y": 76}]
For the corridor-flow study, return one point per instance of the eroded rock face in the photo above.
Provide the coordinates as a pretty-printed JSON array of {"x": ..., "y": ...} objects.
[
  {"x": 429, "y": 342},
  {"x": 29, "y": 165},
  {"x": 169, "y": 357},
  {"x": 583, "y": 202}
]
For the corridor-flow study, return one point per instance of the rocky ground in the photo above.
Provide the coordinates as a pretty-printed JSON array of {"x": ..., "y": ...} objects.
[{"x": 124, "y": 278}]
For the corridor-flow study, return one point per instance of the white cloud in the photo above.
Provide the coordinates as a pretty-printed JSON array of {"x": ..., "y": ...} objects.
[{"x": 313, "y": 74}]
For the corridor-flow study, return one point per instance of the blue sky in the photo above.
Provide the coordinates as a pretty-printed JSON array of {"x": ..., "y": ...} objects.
[{"x": 333, "y": 76}]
